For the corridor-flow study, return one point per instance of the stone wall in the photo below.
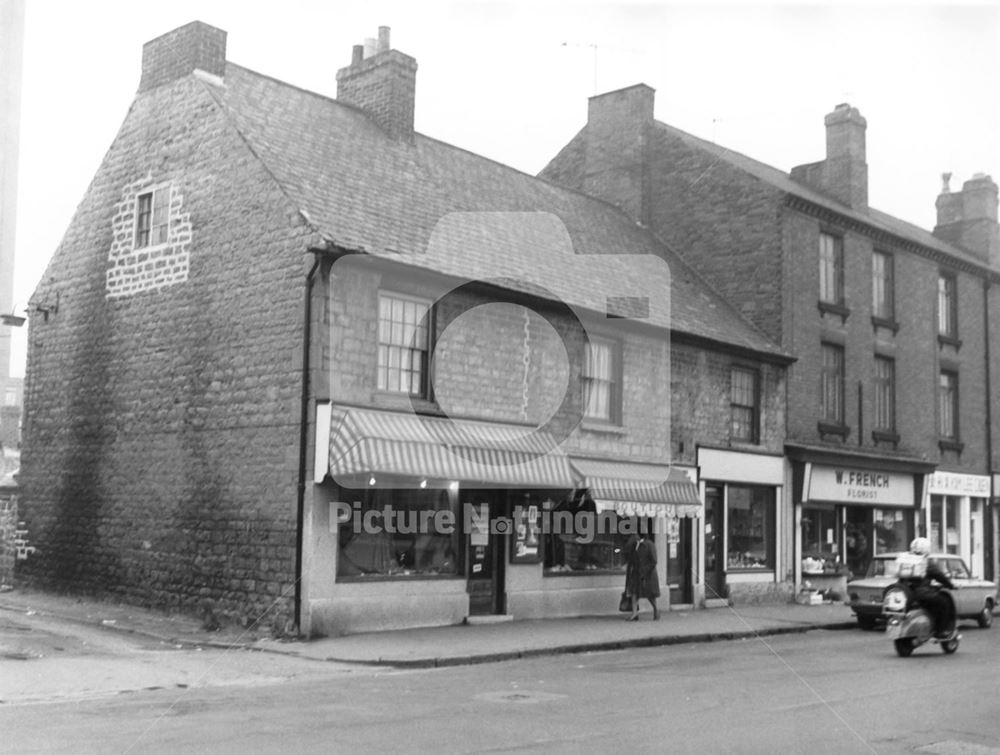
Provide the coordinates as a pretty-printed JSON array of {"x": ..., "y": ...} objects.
[{"x": 161, "y": 434}]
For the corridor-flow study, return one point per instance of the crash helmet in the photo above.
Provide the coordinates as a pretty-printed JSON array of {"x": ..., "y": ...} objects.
[{"x": 921, "y": 546}]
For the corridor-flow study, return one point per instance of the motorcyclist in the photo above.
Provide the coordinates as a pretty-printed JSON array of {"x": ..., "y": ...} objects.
[{"x": 929, "y": 595}]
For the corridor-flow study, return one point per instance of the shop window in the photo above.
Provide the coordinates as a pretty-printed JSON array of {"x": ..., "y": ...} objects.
[
  {"x": 820, "y": 544},
  {"x": 399, "y": 533},
  {"x": 152, "y": 216},
  {"x": 403, "y": 338},
  {"x": 743, "y": 406},
  {"x": 750, "y": 527},
  {"x": 893, "y": 530},
  {"x": 579, "y": 540},
  {"x": 601, "y": 395},
  {"x": 944, "y": 535}
]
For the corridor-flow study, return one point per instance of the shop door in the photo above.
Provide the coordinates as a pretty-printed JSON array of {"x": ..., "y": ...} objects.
[
  {"x": 859, "y": 525},
  {"x": 715, "y": 555},
  {"x": 485, "y": 545},
  {"x": 977, "y": 551},
  {"x": 679, "y": 560}
]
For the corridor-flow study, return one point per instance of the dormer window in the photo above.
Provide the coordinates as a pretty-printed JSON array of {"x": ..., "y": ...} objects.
[{"x": 152, "y": 218}]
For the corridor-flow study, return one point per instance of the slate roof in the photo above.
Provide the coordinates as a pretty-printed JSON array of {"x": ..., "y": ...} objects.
[
  {"x": 783, "y": 182},
  {"x": 437, "y": 206}
]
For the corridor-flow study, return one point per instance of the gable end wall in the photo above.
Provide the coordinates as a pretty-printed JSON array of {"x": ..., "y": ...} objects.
[{"x": 160, "y": 454}]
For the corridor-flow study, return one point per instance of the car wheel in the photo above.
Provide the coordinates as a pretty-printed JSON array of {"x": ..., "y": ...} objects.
[
  {"x": 904, "y": 647},
  {"x": 949, "y": 647},
  {"x": 866, "y": 622},
  {"x": 985, "y": 617}
]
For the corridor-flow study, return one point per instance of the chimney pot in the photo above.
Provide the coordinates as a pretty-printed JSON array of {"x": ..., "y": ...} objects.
[
  {"x": 382, "y": 83},
  {"x": 357, "y": 54}
]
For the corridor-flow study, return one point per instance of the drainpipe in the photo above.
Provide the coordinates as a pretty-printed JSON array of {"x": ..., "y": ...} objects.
[
  {"x": 988, "y": 515},
  {"x": 303, "y": 436}
]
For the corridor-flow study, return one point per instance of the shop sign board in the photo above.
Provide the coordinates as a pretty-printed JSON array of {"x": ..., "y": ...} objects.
[
  {"x": 953, "y": 483},
  {"x": 859, "y": 486}
]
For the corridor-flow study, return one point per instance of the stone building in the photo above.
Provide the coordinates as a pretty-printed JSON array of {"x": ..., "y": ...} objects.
[
  {"x": 283, "y": 331},
  {"x": 892, "y": 412}
]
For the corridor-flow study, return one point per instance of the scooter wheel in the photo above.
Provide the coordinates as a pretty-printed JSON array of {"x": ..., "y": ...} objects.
[
  {"x": 949, "y": 647},
  {"x": 904, "y": 647}
]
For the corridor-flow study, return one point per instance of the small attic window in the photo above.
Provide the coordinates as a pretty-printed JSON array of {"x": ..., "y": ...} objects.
[{"x": 152, "y": 218}]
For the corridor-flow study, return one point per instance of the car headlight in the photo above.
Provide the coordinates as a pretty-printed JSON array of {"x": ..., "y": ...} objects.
[{"x": 895, "y": 600}]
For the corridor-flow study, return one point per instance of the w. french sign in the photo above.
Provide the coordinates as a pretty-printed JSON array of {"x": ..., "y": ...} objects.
[{"x": 862, "y": 486}]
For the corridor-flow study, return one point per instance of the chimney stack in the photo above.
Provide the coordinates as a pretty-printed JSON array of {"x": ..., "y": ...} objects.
[
  {"x": 968, "y": 218},
  {"x": 381, "y": 81},
  {"x": 617, "y": 138},
  {"x": 178, "y": 53},
  {"x": 844, "y": 173}
]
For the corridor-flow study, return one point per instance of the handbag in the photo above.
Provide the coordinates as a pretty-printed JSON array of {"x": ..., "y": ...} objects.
[{"x": 625, "y": 603}]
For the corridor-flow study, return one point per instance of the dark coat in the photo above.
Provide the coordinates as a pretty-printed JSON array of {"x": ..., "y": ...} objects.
[{"x": 640, "y": 569}]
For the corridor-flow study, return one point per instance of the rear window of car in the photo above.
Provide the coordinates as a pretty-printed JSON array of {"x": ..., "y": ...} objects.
[
  {"x": 881, "y": 567},
  {"x": 955, "y": 567}
]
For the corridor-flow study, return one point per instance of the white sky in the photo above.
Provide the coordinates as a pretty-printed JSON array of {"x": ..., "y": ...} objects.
[{"x": 495, "y": 78}]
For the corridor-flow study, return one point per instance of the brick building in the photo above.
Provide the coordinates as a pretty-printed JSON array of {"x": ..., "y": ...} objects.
[
  {"x": 276, "y": 314},
  {"x": 892, "y": 414}
]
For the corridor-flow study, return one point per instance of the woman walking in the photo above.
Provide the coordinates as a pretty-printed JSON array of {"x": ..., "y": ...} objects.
[{"x": 640, "y": 574}]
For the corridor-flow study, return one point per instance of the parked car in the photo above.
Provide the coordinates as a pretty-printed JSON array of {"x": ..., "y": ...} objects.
[{"x": 974, "y": 598}]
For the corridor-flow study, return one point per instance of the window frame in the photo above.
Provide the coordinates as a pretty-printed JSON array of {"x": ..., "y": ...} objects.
[
  {"x": 883, "y": 287},
  {"x": 837, "y": 373},
  {"x": 884, "y": 395},
  {"x": 947, "y": 306},
  {"x": 428, "y": 319},
  {"x": 736, "y": 406},
  {"x": 948, "y": 406},
  {"x": 831, "y": 269},
  {"x": 613, "y": 381},
  {"x": 155, "y": 231}
]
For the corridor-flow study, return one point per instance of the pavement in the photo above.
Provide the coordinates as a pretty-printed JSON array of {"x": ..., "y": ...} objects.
[{"x": 450, "y": 645}]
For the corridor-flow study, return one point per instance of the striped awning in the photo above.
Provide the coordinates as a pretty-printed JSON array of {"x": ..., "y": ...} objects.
[
  {"x": 367, "y": 442},
  {"x": 630, "y": 489}
]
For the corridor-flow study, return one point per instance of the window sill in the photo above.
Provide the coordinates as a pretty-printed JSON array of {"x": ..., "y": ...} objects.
[
  {"x": 946, "y": 340},
  {"x": 550, "y": 572},
  {"x": 949, "y": 444},
  {"x": 829, "y": 308},
  {"x": 596, "y": 426},
  {"x": 885, "y": 436},
  {"x": 841, "y": 430},
  {"x": 396, "y": 577},
  {"x": 404, "y": 401},
  {"x": 881, "y": 322}
]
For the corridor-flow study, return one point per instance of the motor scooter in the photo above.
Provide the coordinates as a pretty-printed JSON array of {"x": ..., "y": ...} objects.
[{"x": 909, "y": 625}]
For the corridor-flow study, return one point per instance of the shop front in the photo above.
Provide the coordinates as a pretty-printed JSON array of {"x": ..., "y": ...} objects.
[
  {"x": 959, "y": 517},
  {"x": 849, "y": 509},
  {"x": 425, "y": 521},
  {"x": 741, "y": 538}
]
